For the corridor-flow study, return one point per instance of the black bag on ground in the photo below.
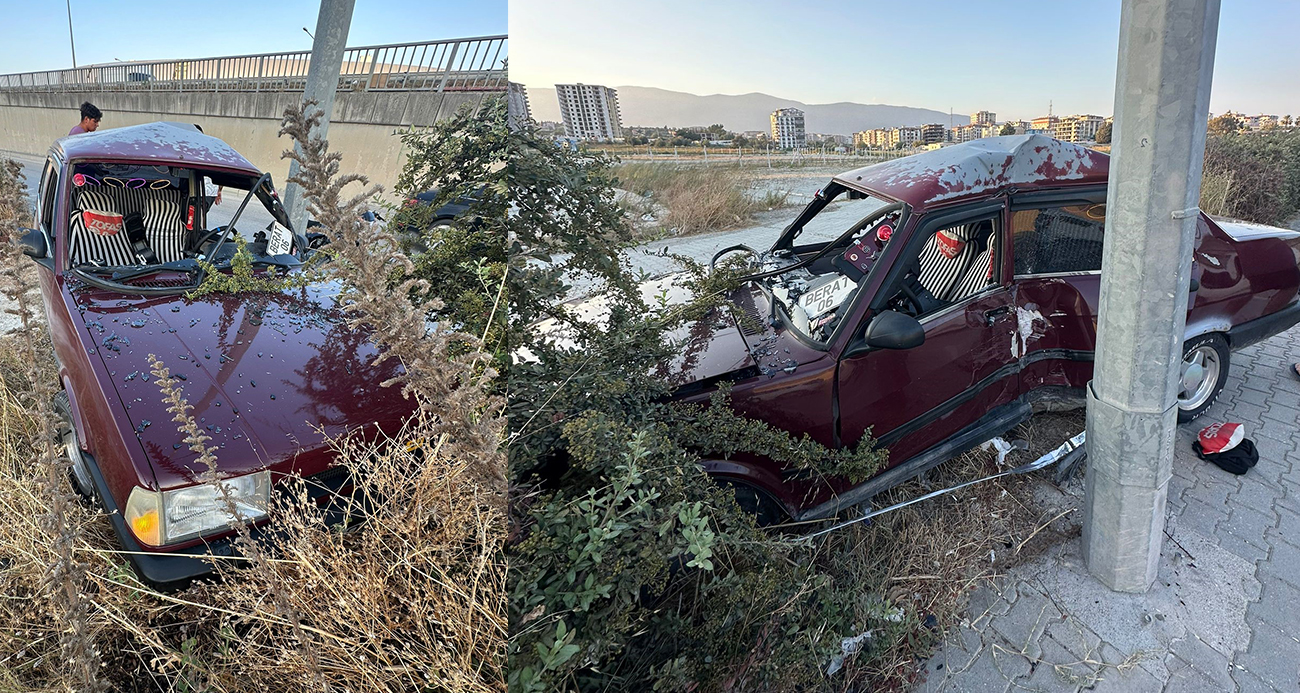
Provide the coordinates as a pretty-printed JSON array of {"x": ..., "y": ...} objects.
[{"x": 1236, "y": 460}]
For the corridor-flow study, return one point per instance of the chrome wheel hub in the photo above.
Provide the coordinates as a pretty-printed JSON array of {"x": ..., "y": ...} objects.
[{"x": 1200, "y": 371}]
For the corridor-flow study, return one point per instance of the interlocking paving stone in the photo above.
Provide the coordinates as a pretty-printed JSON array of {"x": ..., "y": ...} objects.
[
  {"x": 1225, "y": 613},
  {"x": 1058, "y": 669},
  {"x": 1278, "y": 604},
  {"x": 1199, "y": 516},
  {"x": 1283, "y": 562},
  {"x": 1208, "y": 663},
  {"x": 1250, "y": 683},
  {"x": 1023, "y": 625},
  {"x": 1131, "y": 680},
  {"x": 1274, "y": 656}
]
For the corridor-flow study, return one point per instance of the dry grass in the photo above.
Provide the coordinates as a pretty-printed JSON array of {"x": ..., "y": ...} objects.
[
  {"x": 1217, "y": 193},
  {"x": 698, "y": 198},
  {"x": 408, "y": 595},
  {"x": 407, "y": 600},
  {"x": 932, "y": 555}
]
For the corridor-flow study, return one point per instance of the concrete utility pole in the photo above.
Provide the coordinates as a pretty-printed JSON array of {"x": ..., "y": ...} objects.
[
  {"x": 1162, "y": 97},
  {"x": 71, "y": 41},
  {"x": 322, "y": 80}
]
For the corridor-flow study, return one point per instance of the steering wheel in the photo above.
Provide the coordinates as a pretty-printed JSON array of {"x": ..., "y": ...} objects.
[
  {"x": 911, "y": 297},
  {"x": 729, "y": 249},
  {"x": 207, "y": 236}
]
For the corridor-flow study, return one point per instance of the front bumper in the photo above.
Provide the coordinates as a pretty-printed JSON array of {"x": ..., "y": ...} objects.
[{"x": 175, "y": 569}]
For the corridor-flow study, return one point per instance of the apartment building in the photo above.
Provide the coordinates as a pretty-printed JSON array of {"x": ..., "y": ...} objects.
[
  {"x": 932, "y": 133},
  {"x": 590, "y": 112},
  {"x": 871, "y": 139},
  {"x": 1078, "y": 128},
  {"x": 1021, "y": 126},
  {"x": 983, "y": 118},
  {"x": 788, "y": 128},
  {"x": 517, "y": 110},
  {"x": 966, "y": 133},
  {"x": 904, "y": 137},
  {"x": 1045, "y": 125},
  {"x": 1258, "y": 122}
]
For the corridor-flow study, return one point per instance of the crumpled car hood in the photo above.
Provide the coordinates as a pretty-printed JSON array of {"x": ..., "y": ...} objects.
[
  {"x": 717, "y": 345},
  {"x": 271, "y": 376}
]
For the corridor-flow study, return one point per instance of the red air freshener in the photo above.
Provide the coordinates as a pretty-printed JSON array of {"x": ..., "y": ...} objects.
[
  {"x": 949, "y": 246},
  {"x": 189, "y": 220},
  {"x": 1221, "y": 437},
  {"x": 78, "y": 180},
  {"x": 884, "y": 232},
  {"x": 101, "y": 223}
]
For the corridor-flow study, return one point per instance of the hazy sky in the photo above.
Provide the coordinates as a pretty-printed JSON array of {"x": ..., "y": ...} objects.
[
  {"x": 34, "y": 35},
  {"x": 1004, "y": 56}
]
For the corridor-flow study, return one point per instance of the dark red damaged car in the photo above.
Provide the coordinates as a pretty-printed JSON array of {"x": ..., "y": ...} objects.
[
  {"x": 121, "y": 223},
  {"x": 961, "y": 298}
]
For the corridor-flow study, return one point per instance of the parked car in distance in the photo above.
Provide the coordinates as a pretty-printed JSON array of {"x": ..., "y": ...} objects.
[
  {"x": 963, "y": 296},
  {"x": 448, "y": 211},
  {"x": 120, "y": 229}
]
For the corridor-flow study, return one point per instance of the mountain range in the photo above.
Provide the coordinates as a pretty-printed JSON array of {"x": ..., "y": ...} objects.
[{"x": 651, "y": 107}]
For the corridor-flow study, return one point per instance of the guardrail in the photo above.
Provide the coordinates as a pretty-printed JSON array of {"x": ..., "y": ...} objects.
[{"x": 469, "y": 64}]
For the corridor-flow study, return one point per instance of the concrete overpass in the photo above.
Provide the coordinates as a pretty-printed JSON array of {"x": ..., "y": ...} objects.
[{"x": 383, "y": 92}]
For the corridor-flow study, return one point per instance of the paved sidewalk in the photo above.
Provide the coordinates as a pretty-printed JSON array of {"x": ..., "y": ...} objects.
[{"x": 1224, "y": 614}]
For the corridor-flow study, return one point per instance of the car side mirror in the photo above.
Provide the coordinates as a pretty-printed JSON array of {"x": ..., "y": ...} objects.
[
  {"x": 34, "y": 244},
  {"x": 893, "y": 330}
]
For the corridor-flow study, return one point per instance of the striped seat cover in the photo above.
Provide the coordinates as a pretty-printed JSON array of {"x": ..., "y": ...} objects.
[
  {"x": 978, "y": 275},
  {"x": 944, "y": 260},
  {"x": 164, "y": 226}
]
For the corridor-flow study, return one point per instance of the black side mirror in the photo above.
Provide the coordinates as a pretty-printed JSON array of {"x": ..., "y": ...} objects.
[
  {"x": 893, "y": 330},
  {"x": 34, "y": 244}
]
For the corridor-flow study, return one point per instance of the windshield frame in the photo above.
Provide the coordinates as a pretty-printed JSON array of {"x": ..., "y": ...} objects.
[
  {"x": 260, "y": 186},
  {"x": 820, "y": 250}
]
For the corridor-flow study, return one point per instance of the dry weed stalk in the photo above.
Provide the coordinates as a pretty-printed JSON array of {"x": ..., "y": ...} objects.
[
  {"x": 66, "y": 576},
  {"x": 197, "y": 440},
  {"x": 451, "y": 387}
]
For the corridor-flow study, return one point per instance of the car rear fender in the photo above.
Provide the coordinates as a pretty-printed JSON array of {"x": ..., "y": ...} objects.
[{"x": 1206, "y": 325}]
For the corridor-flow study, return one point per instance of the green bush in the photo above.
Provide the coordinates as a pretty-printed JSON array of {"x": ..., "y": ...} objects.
[
  {"x": 630, "y": 569},
  {"x": 1261, "y": 171}
]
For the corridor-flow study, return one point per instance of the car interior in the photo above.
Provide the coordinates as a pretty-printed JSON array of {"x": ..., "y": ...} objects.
[
  {"x": 954, "y": 263},
  {"x": 131, "y": 216}
]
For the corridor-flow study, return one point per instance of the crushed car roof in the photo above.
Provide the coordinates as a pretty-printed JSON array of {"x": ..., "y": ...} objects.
[
  {"x": 981, "y": 167},
  {"x": 173, "y": 143}
]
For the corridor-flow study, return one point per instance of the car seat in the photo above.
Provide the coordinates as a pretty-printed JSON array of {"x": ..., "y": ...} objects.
[
  {"x": 945, "y": 258},
  {"x": 102, "y": 242},
  {"x": 980, "y": 272}
]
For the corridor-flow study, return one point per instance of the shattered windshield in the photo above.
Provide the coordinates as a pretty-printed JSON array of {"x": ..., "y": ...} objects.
[
  {"x": 814, "y": 270},
  {"x": 149, "y": 229}
]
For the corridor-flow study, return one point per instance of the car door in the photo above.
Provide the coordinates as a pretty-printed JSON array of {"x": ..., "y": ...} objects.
[
  {"x": 1056, "y": 245},
  {"x": 913, "y": 399}
]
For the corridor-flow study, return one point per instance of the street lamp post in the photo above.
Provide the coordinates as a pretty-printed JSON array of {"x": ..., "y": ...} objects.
[
  {"x": 327, "y": 49},
  {"x": 1162, "y": 96}
]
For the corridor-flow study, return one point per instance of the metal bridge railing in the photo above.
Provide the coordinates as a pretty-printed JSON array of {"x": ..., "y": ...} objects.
[{"x": 469, "y": 64}]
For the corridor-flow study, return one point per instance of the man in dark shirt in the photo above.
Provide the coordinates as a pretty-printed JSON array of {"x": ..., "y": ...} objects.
[{"x": 89, "y": 119}]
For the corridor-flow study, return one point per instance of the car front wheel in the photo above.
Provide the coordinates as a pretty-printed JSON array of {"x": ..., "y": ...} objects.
[
  {"x": 1203, "y": 371},
  {"x": 72, "y": 447}
]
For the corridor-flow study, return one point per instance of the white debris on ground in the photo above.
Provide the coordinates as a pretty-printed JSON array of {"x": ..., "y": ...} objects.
[{"x": 1003, "y": 448}]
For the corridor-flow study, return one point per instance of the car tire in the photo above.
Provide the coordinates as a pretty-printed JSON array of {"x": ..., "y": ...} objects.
[
  {"x": 1199, "y": 389},
  {"x": 79, "y": 474},
  {"x": 757, "y": 502}
]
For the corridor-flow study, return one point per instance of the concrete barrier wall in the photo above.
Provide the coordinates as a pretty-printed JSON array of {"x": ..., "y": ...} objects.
[{"x": 365, "y": 126}]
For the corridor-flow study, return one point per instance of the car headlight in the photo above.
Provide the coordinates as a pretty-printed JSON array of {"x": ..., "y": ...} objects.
[{"x": 169, "y": 517}]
